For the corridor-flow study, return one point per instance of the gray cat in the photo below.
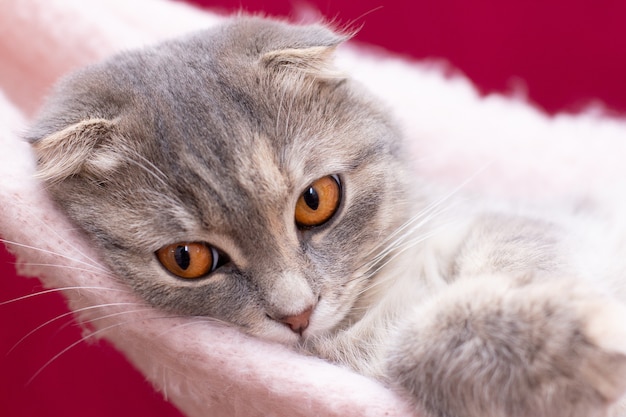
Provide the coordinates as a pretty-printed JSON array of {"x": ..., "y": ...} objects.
[{"x": 234, "y": 174}]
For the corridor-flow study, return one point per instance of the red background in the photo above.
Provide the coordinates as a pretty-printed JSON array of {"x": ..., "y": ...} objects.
[{"x": 564, "y": 54}]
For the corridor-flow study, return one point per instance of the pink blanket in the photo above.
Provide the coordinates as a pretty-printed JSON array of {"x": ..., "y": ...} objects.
[{"x": 210, "y": 370}]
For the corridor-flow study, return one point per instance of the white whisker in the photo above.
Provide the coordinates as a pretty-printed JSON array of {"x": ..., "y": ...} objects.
[
  {"x": 55, "y": 233},
  {"x": 391, "y": 246},
  {"x": 425, "y": 213},
  {"x": 403, "y": 237},
  {"x": 54, "y": 290},
  {"x": 156, "y": 196},
  {"x": 59, "y": 317},
  {"x": 288, "y": 115},
  {"x": 49, "y": 252},
  {"x": 280, "y": 108},
  {"x": 401, "y": 249},
  {"x": 89, "y": 336},
  {"x": 149, "y": 167},
  {"x": 118, "y": 313},
  {"x": 73, "y": 268},
  {"x": 195, "y": 320}
]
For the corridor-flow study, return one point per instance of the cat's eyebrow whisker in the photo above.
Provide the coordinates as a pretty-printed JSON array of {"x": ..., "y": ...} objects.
[
  {"x": 61, "y": 316},
  {"x": 288, "y": 115},
  {"x": 161, "y": 197},
  {"x": 49, "y": 252},
  {"x": 54, "y": 290},
  {"x": 280, "y": 109},
  {"x": 287, "y": 127},
  {"x": 149, "y": 167}
]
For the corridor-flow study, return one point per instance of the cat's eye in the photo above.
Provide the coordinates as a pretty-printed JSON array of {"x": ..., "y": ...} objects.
[
  {"x": 190, "y": 260},
  {"x": 319, "y": 202}
]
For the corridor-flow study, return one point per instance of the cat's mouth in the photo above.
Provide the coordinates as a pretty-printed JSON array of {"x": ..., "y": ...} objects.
[
  {"x": 297, "y": 323},
  {"x": 315, "y": 321}
]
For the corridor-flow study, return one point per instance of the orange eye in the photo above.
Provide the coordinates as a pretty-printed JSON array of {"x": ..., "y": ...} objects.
[
  {"x": 319, "y": 202},
  {"x": 189, "y": 260}
]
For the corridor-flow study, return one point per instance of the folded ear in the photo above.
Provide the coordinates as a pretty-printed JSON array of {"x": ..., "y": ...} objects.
[
  {"x": 315, "y": 61},
  {"x": 82, "y": 148},
  {"x": 312, "y": 56}
]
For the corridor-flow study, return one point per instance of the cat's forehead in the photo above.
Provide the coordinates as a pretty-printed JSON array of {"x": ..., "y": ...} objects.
[{"x": 231, "y": 115}]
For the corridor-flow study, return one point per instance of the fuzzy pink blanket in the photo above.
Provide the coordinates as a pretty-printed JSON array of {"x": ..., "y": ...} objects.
[{"x": 211, "y": 370}]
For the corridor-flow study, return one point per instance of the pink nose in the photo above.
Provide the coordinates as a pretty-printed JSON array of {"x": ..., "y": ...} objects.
[{"x": 299, "y": 322}]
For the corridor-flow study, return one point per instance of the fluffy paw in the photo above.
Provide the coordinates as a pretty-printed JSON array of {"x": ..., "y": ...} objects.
[{"x": 487, "y": 349}]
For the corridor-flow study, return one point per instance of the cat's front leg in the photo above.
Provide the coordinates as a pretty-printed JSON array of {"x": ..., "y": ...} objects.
[{"x": 486, "y": 347}]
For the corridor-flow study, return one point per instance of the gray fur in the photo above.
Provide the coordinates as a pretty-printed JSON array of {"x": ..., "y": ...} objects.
[{"x": 213, "y": 137}]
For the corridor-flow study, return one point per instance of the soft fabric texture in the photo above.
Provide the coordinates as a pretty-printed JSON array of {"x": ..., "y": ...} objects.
[{"x": 505, "y": 146}]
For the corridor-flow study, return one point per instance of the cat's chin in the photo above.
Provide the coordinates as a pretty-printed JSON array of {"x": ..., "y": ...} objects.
[{"x": 327, "y": 317}]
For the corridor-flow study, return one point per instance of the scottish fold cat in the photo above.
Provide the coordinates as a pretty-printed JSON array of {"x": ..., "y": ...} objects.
[{"x": 236, "y": 174}]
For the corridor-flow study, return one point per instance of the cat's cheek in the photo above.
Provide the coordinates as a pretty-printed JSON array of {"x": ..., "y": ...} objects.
[{"x": 325, "y": 318}]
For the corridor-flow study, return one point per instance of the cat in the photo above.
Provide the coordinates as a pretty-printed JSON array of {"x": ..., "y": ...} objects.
[{"x": 236, "y": 174}]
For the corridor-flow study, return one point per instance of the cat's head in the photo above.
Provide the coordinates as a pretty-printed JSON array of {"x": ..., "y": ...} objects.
[{"x": 230, "y": 174}]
